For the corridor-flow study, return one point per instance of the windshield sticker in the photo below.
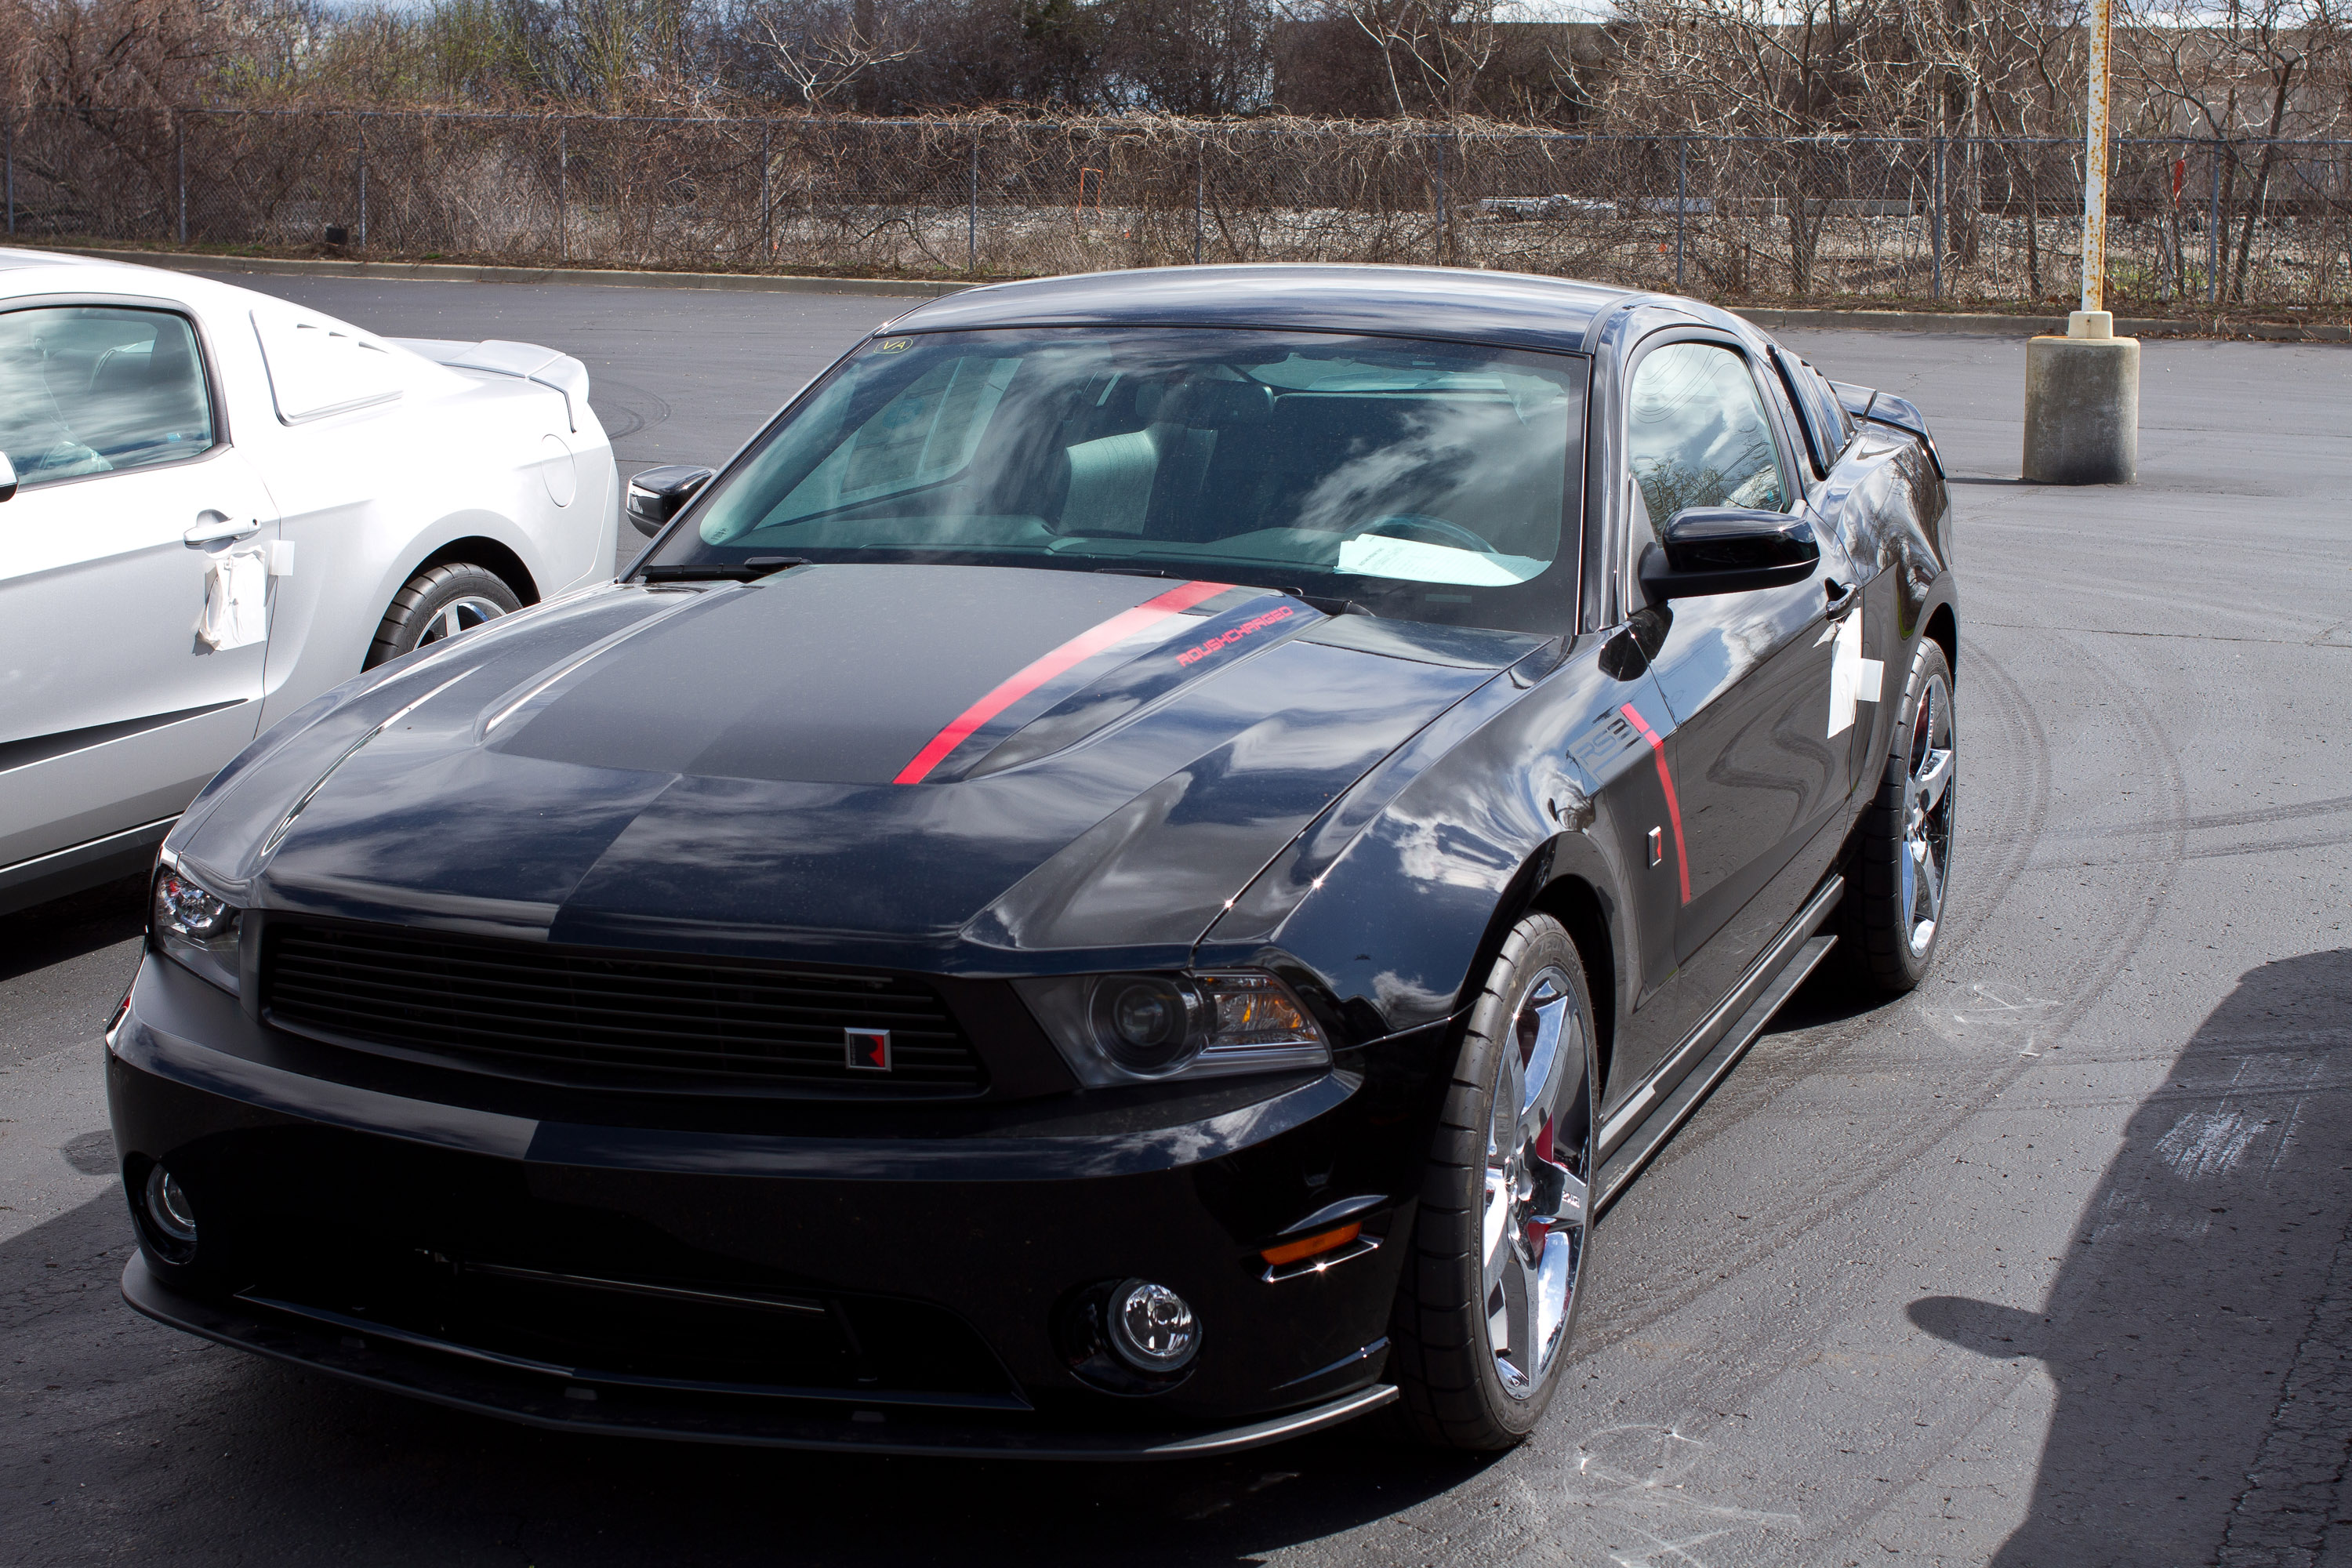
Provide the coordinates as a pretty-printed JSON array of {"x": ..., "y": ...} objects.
[{"x": 1255, "y": 624}]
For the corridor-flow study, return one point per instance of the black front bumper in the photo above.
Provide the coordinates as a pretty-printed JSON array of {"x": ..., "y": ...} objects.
[
  {"x": 449, "y": 1374},
  {"x": 312, "y": 1158}
]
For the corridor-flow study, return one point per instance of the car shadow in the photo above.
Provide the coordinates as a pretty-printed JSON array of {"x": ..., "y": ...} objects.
[
  {"x": 68, "y": 927},
  {"x": 122, "y": 1423},
  {"x": 2196, "y": 1334},
  {"x": 1829, "y": 995}
]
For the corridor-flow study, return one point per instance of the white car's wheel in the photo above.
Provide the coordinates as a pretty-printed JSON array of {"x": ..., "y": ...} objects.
[{"x": 437, "y": 603}]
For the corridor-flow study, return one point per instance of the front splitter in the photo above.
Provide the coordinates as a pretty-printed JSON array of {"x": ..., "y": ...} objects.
[{"x": 843, "y": 1427}]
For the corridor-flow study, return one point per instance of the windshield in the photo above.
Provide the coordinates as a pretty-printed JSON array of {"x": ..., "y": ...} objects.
[{"x": 1430, "y": 482}]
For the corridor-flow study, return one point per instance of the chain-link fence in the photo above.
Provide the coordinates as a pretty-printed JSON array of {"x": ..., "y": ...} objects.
[{"x": 2259, "y": 223}]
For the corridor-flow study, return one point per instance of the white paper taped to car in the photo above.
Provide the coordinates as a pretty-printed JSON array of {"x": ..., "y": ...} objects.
[{"x": 236, "y": 599}]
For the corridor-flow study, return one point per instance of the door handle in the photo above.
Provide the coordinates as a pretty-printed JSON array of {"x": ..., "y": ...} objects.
[
  {"x": 213, "y": 528},
  {"x": 1841, "y": 596}
]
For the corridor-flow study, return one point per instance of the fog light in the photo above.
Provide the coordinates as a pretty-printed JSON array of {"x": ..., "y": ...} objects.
[
  {"x": 169, "y": 1211},
  {"x": 1151, "y": 1327}
]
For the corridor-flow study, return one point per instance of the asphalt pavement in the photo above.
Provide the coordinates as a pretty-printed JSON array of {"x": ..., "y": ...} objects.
[{"x": 2048, "y": 1264}]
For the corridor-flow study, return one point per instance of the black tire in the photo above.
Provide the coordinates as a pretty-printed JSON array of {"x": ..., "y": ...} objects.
[
  {"x": 423, "y": 611},
  {"x": 1902, "y": 864},
  {"x": 1458, "y": 1389}
]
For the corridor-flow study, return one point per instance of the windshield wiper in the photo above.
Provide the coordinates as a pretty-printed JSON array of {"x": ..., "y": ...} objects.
[
  {"x": 749, "y": 570},
  {"x": 1329, "y": 607}
]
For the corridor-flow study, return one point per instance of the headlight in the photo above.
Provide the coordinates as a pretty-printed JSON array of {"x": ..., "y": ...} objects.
[
  {"x": 194, "y": 925},
  {"x": 1133, "y": 1028}
]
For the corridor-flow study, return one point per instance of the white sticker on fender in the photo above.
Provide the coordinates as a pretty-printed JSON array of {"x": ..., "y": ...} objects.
[{"x": 1853, "y": 679}]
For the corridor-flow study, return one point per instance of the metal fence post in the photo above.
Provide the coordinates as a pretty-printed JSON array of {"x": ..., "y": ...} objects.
[
  {"x": 1199, "y": 193},
  {"x": 971, "y": 212},
  {"x": 363, "y": 184},
  {"x": 1682, "y": 205},
  {"x": 1936, "y": 220},
  {"x": 12, "y": 174},
  {"x": 1441, "y": 201},
  {"x": 767, "y": 199},
  {"x": 2213, "y": 232},
  {"x": 180, "y": 157},
  {"x": 562, "y": 195}
]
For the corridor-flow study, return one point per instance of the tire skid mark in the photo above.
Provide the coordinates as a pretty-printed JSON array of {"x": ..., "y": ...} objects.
[
  {"x": 634, "y": 408},
  {"x": 2100, "y": 962},
  {"x": 2015, "y": 840},
  {"x": 1800, "y": 1216},
  {"x": 2259, "y": 816},
  {"x": 2213, "y": 852}
]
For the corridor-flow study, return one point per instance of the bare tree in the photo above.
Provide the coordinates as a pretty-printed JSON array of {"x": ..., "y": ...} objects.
[
  {"x": 825, "y": 48},
  {"x": 1433, "y": 54},
  {"x": 1198, "y": 57},
  {"x": 2250, "y": 70}
]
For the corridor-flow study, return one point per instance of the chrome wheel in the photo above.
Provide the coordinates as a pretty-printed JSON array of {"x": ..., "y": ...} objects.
[
  {"x": 1928, "y": 815},
  {"x": 1539, "y": 1170},
  {"x": 460, "y": 615}
]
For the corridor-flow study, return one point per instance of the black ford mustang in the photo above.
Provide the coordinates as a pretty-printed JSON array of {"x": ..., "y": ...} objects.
[{"x": 1128, "y": 879}]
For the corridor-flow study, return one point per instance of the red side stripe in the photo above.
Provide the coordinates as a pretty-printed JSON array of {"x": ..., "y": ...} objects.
[
  {"x": 1076, "y": 651},
  {"x": 1674, "y": 808}
]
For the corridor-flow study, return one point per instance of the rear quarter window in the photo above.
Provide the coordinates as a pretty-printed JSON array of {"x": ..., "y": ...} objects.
[{"x": 318, "y": 367}]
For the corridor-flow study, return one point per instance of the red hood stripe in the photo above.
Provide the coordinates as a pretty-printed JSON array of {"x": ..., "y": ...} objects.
[{"x": 1076, "y": 651}]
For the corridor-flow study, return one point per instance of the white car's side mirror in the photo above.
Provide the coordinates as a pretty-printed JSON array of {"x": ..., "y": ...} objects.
[{"x": 7, "y": 477}]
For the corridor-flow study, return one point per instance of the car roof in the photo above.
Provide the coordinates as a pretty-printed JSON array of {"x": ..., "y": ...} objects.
[
  {"x": 1507, "y": 309},
  {"x": 14, "y": 258},
  {"x": 25, "y": 271}
]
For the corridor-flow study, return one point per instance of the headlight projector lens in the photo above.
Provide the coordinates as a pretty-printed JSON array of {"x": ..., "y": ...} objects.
[
  {"x": 1151, "y": 1327},
  {"x": 1148, "y": 1024}
]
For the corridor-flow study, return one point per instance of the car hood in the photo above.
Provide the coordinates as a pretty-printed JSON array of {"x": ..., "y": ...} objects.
[{"x": 890, "y": 763}]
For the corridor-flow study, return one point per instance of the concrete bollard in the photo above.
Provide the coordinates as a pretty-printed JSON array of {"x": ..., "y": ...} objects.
[{"x": 2081, "y": 404}]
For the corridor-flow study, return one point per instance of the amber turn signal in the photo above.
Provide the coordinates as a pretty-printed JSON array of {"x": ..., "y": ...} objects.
[{"x": 1307, "y": 1247}]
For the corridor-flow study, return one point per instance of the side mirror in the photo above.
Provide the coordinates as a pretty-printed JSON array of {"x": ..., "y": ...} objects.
[
  {"x": 655, "y": 495},
  {"x": 1727, "y": 550},
  {"x": 7, "y": 477}
]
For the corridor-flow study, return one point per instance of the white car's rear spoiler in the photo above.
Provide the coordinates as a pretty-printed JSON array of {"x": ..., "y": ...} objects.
[{"x": 527, "y": 361}]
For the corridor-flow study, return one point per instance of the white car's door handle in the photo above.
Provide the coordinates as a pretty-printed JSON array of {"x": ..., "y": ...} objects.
[{"x": 212, "y": 527}]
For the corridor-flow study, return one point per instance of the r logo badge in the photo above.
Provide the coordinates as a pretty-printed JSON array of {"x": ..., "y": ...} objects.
[{"x": 866, "y": 1050}]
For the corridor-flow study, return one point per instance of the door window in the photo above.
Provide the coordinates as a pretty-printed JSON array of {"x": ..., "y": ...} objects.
[
  {"x": 89, "y": 389},
  {"x": 1697, "y": 435}
]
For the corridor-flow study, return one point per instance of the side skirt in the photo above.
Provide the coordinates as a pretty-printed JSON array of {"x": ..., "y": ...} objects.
[
  {"x": 70, "y": 870},
  {"x": 1640, "y": 1127}
]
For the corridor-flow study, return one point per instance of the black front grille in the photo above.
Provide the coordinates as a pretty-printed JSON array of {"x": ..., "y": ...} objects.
[
  {"x": 686, "y": 1336},
  {"x": 584, "y": 1014}
]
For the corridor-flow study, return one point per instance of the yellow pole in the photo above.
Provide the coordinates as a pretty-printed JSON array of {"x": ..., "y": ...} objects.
[{"x": 2094, "y": 171}]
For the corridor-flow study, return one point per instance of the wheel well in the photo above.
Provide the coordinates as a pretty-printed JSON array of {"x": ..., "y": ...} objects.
[
  {"x": 1945, "y": 628},
  {"x": 488, "y": 553},
  {"x": 1571, "y": 901}
]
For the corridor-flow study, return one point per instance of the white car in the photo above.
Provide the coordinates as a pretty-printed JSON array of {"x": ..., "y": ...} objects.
[{"x": 215, "y": 506}]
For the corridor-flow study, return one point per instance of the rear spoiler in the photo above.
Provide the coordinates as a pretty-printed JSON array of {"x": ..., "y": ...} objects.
[
  {"x": 525, "y": 361},
  {"x": 1871, "y": 405}
]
